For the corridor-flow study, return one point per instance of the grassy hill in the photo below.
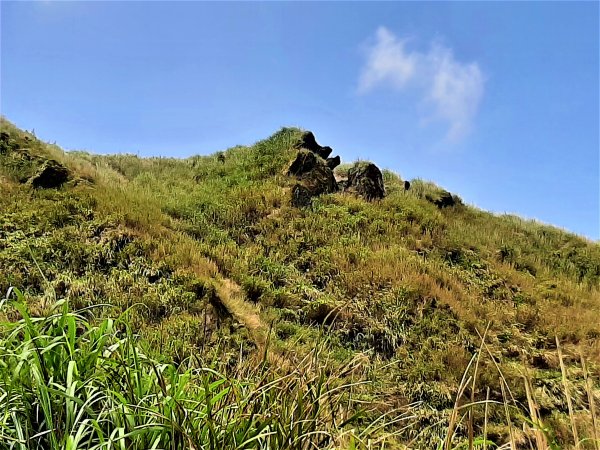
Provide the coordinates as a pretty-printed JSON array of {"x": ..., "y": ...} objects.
[{"x": 185, "y": 303}]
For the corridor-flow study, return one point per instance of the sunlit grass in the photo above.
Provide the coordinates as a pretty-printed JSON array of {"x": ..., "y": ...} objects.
[{"x": 398, "y": 283}]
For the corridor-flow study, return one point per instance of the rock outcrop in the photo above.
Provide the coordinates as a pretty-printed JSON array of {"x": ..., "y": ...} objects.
[
  {"x": 366, "y": 180},
  {"x": 332, "y": 163},
  {"x": 313, "y": 169},
  {"x": 316, "y": 181},
  {"x": 52, "y": 174},
  {"x": 309, "y": 142},
  {"x": 305, "y": 162},
  {"x": 320, "y": 180},
  {"x": 444, "y": 199}
]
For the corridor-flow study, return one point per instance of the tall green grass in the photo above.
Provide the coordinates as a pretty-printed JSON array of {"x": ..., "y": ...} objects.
[
  {"x": 67, "y": 382},
  {"x": 408, "y": 284}
]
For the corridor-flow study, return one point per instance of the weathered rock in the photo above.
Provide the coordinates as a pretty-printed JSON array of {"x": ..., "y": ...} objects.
[
  {"x": 309, "y": 142},
  {"x": 314, "y": 169},
  {"x": 52, "y": 174},
  {"x": 332, "y": 163},
  {"x": 366, "y": 180},
  {"x": 444, "y": 199},
  {"x": 320, "y": 180},
  {"x": 305, "y": 162},
  {"x": 325, "y": 152},
  {"x": 406, "y": 185},
  {"x": 317, "y": 181}
]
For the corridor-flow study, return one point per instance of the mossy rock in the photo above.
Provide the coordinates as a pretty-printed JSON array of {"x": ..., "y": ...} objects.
[
  {"x": 444, "y": 199},
  {"x": 315, "y": 178},
  {"x": 304, "y": 162},
  {"x": 366, "y": 180},
  {"x": 52, "y": 174}
]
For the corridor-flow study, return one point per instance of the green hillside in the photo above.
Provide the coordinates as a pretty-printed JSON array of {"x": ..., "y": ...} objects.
[{"x": 191, "y": 303}]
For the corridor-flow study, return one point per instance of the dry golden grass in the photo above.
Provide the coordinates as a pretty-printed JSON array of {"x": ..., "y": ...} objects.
[{"x": 398, "y": 284}]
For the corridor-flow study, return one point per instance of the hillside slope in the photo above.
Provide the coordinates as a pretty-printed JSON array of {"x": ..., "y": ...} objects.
[{"x": 428, "y": 308}]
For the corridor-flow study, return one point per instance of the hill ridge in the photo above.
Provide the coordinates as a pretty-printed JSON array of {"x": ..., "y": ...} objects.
[{"x": 403, "y": 284}]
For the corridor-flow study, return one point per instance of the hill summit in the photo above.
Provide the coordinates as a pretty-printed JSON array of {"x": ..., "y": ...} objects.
[{"x": 271, "y": 296}]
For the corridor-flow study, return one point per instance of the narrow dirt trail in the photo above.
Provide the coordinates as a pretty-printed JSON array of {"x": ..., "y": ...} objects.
[
  {"x": 246, "y": 313},
  {"x": 232, "y": 298}
]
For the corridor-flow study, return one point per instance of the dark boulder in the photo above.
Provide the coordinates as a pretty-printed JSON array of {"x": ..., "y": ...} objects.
[
  {"x": 325, "y": 152},
  {"x": 305, "y": 162},
  {"x": 444, "y": 199},
  {"x": 52, "y": 174},
  {"x": 4, "y": 143},
  {"x": 309, "y": 142},
  {"x": 319, "y": 180},
  {"x": 366, "y": 180},
  {"x": 332, "y": 163},
  {"x": 313, "y": 169}
]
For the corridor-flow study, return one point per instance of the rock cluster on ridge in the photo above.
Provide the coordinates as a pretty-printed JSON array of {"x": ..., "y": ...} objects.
[
  {"x": 313, "y": 167},
  {"x": 309, "y": 142}
]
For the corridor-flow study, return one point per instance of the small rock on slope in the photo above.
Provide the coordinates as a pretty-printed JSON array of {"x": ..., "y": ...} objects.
[
  {"x": 366, "y": 180},
  {"x": 52, "y": 174},
  {"x": 444, "y": 200}
]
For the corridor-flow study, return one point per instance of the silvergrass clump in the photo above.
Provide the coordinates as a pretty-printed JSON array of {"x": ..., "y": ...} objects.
[{"x": 525, "y": 428}]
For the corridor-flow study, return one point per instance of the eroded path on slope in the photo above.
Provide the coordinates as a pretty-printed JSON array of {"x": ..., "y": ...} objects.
[{"x": 233, "y": 299}]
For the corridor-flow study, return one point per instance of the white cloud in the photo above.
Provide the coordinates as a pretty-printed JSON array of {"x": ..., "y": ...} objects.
[
  {"x": 450, "y": 89},
  {"x": 387, "y": 61}
]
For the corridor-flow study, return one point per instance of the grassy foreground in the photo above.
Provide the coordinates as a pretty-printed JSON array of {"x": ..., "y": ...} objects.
[
  {"x": 185, "y": 304},
  {"x": 66, "y": 383}
]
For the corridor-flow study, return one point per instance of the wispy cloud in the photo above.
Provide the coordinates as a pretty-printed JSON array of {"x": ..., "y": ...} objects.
[{"x": 450, "y": 89}]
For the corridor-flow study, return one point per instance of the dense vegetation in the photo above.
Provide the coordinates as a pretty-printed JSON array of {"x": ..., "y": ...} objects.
[{"x": 186, "y": 304}]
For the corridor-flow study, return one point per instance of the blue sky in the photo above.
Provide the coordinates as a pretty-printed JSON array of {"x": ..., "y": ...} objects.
[{"x": 497, "y": 102}]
